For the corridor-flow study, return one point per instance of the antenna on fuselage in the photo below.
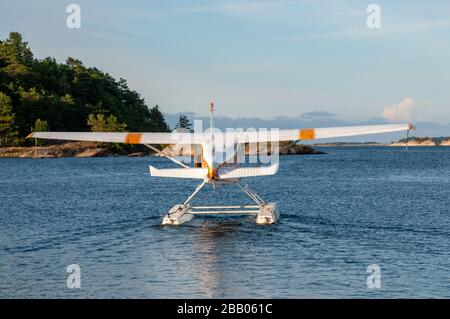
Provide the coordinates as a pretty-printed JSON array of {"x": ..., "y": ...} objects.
[
  {"x": 211, "y": 116},
  {"x": 211, "y": 128}
]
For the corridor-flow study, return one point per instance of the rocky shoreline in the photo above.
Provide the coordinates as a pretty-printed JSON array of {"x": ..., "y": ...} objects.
[
  {"x": 402, "y": 143},
  {"x": 76, "y": 149},
  {"x": 88, "y": 149},
  {"x": 422, "y": 142}
]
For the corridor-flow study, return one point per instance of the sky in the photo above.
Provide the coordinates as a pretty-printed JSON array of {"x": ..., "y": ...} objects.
[{"x": 259, "y": 59}]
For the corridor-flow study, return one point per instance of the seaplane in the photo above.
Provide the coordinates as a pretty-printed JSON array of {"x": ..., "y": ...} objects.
[{"x": 218, "y": 158}]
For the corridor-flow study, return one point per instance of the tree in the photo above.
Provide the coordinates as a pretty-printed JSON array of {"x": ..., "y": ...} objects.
[
  {"x": 16, "y": 55},
  {"x": 67, "y": 99},
  {"x": 184, "y": 123},
  {"x": 157, "y": 119},
  {"x": 19, "y": 49},
  {"x": 40, "y": 126},
  {"x": 99, "y": 123},
  {"x": 8, "y": 134}
]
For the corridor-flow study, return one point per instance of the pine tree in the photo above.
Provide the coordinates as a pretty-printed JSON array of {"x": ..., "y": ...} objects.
[
  {"x": 40, "y": 126},
  {"x": 17, "y": 57},
  {"x": 8, "y": 134},
  {"x": 157, "y": 120},
  {"x": 19, "y": 49},
  {"x": 99, "y": 123},
  {"x": 184, "y": 123}
]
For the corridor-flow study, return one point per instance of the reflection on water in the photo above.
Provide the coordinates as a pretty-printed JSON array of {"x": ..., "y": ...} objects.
[
  {"x": 340, "y": 213},
  {"x": 211, "y": 235}
]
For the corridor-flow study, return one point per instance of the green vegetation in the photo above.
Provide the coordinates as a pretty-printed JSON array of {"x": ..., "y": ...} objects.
[
  {"x": 98, "y": 123},
  {"x": 41, "y": 94},
  {"x": 184, "y": 123},
  {"x": 7, "y": 129},
  {"x": 40, "y": 126}
]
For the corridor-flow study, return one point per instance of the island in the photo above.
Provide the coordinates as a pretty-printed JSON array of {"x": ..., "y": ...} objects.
[
  {"x": 423, "y": 141},
  {"x": 90, "y": 149},
  {"x": 412, "y": 141}
]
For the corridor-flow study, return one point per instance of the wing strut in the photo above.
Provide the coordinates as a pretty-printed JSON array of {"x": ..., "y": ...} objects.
[{"x": 251, "y": 193}]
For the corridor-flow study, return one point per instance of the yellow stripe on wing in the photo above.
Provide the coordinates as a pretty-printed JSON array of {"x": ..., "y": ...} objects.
[
  {"x": 307, "y": 134},
  {"x": 133, "y": 138}
]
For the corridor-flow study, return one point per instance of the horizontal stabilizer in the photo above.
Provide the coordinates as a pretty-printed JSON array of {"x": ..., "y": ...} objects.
[
  {"x": 199, "y": 173},
  {"x": 226, "y": 173}
]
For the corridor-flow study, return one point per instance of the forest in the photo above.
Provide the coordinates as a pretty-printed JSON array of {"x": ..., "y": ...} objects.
[{"x": 42, "y": 94}]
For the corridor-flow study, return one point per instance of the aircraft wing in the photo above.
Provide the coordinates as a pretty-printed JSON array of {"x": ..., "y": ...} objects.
[
  {"x": 316, "y": 133},
  {"x": 237, "y": 137},
  {"x": 122, "y": 137}
]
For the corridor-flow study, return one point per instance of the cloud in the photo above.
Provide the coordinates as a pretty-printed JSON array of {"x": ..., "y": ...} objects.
[{"x": 400, "y": 111}]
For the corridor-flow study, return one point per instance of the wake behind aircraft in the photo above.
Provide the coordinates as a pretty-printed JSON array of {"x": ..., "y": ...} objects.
[{"x": 219, "y": 157}]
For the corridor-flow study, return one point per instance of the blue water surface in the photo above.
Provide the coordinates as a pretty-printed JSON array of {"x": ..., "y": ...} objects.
[{"x": 341, "y": 212}]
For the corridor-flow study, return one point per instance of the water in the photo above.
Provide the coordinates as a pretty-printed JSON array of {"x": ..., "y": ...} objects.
[{"x": 340, "y": 213}]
